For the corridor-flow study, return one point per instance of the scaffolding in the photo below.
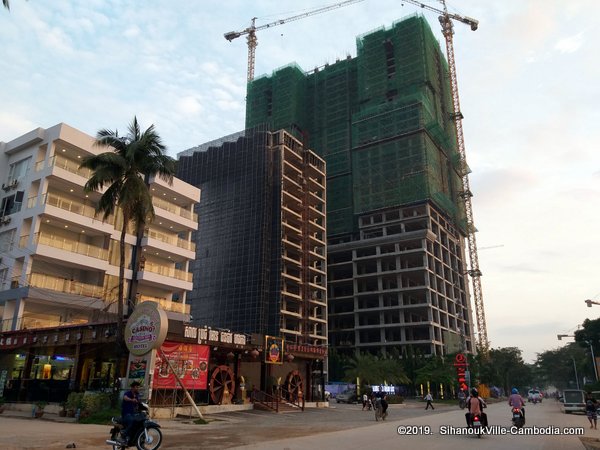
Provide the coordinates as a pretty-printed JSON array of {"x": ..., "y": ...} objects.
[{"x": 382, "y": 121}]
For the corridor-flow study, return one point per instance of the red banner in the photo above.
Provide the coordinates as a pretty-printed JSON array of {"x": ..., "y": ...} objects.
[{"x": 190, "y": 361}]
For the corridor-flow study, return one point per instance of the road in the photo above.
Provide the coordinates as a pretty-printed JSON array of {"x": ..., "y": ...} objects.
[
  {"x": 385, "y": 436},
  {"x": 341, "y": 425}
]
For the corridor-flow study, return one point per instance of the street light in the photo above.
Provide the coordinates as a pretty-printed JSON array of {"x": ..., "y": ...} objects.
[
  {"x": 575, "y": 367},
  {"x": 560, "y": 336},
  {"x": 591, "y": 302}
]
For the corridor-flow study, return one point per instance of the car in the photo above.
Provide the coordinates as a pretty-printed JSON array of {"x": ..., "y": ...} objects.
[
  {"x": 348, "y": 396},
  {"x": 533, "y": 395},
  {"x": 573, "y": 401}
]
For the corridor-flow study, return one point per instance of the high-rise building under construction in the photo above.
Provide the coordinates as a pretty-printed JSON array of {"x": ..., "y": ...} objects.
[
  {"x": 261, "y": 266},
  {"x": 396, "y": 225}
]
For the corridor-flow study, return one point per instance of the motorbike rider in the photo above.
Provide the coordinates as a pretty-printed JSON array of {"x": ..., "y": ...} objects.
[
  {"x": 129, "y": 409},
  {"x": 382, "y": 397},
  {"x": 461, "y": 398},
  {"x": 475, "y": 405},
  {"x": 516, "y": 401}
]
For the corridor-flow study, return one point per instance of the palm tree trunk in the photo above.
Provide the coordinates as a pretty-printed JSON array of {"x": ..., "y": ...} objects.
[{"x": 120, "y": 326}]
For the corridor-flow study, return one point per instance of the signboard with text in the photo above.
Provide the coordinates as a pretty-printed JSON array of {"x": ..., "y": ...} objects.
[
  {"x": 190, "y": 361},
  {"x": 146, "y": 328}
]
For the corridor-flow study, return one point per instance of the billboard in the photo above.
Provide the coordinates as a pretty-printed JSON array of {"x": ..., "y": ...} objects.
[{"x": 190, "y": 361}]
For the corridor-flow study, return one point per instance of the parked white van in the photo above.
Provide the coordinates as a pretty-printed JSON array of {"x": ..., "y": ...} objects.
[{"x": 573, "y": 401}]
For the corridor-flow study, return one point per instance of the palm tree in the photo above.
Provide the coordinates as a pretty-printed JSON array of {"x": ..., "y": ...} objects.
[
  {"x": 125, "y": 170},
  {"x": 6, "y": 4}
]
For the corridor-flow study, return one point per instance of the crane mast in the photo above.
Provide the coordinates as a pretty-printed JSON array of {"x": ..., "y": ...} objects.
[{"x": 466, "y": 194}]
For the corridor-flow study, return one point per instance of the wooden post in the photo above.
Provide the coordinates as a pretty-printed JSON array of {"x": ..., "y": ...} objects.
[{"x": 185, "y": 391}]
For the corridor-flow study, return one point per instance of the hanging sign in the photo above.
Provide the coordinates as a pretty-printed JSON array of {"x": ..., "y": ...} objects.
[
  {"x": 273, "y": 350},
  {"x": 146, "y": 328}
]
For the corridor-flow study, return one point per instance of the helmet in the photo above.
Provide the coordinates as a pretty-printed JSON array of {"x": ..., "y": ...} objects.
[
  {"x": 474, "y": 392},
  {"x": 515, "y": 391}
]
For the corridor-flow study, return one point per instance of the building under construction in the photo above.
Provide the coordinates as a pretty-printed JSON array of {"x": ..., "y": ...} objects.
[
  {"x": 261, "y": 265},
  {"x": 396, "y": 226}
]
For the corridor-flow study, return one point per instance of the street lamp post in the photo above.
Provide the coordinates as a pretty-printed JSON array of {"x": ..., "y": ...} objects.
[
  {"x": 576, "y": 377},
  {"x": 560, "y": 336},
  {"x": 591, "y": 302}
]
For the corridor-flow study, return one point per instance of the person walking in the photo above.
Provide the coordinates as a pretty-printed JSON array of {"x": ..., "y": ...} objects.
[
  {"x": 364, "y": 399},
  {"x": 429, "y": 399},
  {"x": 591, "y": 410}
]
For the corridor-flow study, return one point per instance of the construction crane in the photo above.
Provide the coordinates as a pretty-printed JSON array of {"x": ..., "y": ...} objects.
[
  {"x": 252, "y": 29},
  {"x": 445, "y": 19}
]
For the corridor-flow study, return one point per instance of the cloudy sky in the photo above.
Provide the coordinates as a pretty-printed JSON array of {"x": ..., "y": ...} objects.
[{"x": 530, "y": 94}]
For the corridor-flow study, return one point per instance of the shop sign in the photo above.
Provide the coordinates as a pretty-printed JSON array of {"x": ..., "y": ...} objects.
[
  {"x": 273, "y": 350},
  {"x": 190, "y": 361},
  {"x": 303, "y": 348},
  {"x": 204, "y": 335},
  {"x": 146, "y": 328},
  {"x": 461, "y": 364}
]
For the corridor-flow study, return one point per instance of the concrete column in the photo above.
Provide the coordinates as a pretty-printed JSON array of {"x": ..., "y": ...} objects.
[{"x": 18, "y": 314}]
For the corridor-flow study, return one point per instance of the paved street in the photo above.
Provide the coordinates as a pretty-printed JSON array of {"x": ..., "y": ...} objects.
[{"x": 342, "y": 424}]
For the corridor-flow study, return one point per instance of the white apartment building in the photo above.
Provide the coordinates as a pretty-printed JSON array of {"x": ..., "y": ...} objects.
[{"x": 59, "y": 260}]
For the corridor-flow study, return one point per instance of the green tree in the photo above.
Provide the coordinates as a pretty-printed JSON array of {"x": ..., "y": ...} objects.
[
  {"x": 557, "y": 367},
  {"x": 589, "y": 334},
  {"x": 125, "y": 171},
  {"x": 436, "y": 370},
  {"x": 373, "y": 369},
  {"x": 505, "y": 367}
]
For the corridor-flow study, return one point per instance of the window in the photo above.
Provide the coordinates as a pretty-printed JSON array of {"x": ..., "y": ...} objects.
[
  {"x": 18, "y": 170},
  {"x": 11, "y": 204},
  {"x": 7, "y": 240}
]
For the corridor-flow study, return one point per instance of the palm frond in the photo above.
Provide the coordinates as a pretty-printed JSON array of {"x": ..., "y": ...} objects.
[{"x": 6, "y": 4}]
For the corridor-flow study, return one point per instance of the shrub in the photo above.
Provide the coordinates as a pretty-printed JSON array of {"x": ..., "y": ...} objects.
[
  {"x": 95, "y": 402},
  {"x": 74, "y": 401},
  {"x": 101, "y": 417},
  {"x": 396, "y": 399}
]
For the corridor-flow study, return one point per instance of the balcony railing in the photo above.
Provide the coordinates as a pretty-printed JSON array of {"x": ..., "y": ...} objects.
[
  {"x": 53, "y": 283},
  {"x": 168, "y": 271},
  {"x": 69, "y": 165},
  {"x": 175, "y": 209},
  {"x": 72, "y": 206},
  {"x": 66, "y": 244},
  {"x": 171, "y": 239},
  {"x": 32, "y": 323},
  {"x": 167, "y": 305}
]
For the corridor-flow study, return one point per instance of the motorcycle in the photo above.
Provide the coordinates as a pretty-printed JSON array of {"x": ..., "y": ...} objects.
[
  {"x": 144, "y": 433},
  {"x": 476, "y": 424},
  {"x": 517, "y": 417}
]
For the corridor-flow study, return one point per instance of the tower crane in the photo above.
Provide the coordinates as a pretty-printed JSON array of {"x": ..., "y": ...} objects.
[
  {"x": 252, "y": 29},
  {"x": 445, "y": 19}
]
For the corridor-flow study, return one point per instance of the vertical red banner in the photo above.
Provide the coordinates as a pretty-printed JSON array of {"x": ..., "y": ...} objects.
[
  {"x": 190, "y": 361},
  {"x": 461, "y": 364}
]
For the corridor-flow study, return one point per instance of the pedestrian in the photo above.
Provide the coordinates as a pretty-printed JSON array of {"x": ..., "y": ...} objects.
[
  {"x": 364, "y": 398},
  {"x": 429, "y": 399},
  {"x": 591, "y": 410}
]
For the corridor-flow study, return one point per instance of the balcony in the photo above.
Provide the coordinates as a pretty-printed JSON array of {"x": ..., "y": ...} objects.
[
  {"x": 167, "y": 305},
  {"x": 175, "y": 209},
  {"x": 170, "y": 239},
  {"x": 70, "y": 165},
  {"x": 69, "y": 245},
  {"x": 53, "y": 283},
  {"x": 162, "y": 276}
]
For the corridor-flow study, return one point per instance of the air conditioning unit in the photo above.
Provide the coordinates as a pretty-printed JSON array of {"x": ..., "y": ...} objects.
[{"x": 5, "y": 220}]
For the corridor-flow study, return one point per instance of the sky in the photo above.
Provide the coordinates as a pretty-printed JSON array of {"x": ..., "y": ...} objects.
[{"x": 529, "y": 90}]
